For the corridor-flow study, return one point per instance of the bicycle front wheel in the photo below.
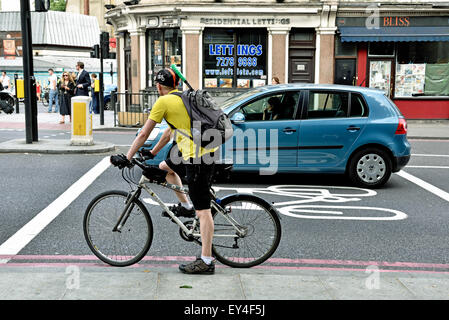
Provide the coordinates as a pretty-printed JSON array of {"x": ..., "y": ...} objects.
[
  {"x": 117, "y": 248},
  {"x": 260, "y": 231}
]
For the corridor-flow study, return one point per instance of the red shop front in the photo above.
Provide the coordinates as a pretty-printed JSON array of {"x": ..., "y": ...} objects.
[{"x": 407, "y": 57}]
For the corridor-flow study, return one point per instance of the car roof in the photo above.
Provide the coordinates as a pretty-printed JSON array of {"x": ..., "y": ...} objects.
[{"x": 321, "y": 87}]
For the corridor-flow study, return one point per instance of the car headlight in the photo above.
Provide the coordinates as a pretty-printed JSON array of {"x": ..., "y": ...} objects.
[{"x": 154, "y": 134}]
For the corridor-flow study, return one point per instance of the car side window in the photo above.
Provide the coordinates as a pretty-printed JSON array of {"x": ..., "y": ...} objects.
[
  {"x": 327, "y": 104},
  {"x": 358, "y": 106},
  {"x": 280, "y": 106}
]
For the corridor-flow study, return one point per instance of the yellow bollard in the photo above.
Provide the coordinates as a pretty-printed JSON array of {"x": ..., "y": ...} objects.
[
  {"x": 20, "y": 89},
  {"x": 81, "y": 122},
  {"x": 97, "y": 85}
]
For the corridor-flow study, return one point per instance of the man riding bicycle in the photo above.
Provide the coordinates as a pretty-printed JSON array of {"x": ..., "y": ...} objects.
[{"x": 194, "y": 159}]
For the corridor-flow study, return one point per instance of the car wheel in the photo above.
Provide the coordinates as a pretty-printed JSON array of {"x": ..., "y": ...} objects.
[{"x": 370, "y": 168}]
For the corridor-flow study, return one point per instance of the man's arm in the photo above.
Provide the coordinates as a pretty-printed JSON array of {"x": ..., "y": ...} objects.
[
  {"x": 165, "y": 138},
  {"x": 141, "y": 138}
]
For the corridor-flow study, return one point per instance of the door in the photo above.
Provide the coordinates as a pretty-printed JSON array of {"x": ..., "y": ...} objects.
[
  {"x": 301, "y": 70},
  {"x": 333, "y": 122},
  {"x": 268, "y": 137},
  {"x": 345, "y": 71}
]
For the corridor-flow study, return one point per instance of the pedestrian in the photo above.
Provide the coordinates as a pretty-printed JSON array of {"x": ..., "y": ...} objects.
[
  {"x": 38, "y": 90},
  {"x": 275, "y": 80},
  {"x": 95, "y": 95},
  {"x": 82, "y": 80},
  {"x": 66, "y": 92},
  {"x": 196, "y": 159},
  {"x": 6, "y": 82},
  {"x": 53, "y": 94}
]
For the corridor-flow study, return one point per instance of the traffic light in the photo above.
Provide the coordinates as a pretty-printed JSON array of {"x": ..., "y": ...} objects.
[
  {"x": 42, "y": 5},
  {"x": 95, "y": 52},
  {"x": 104, "y": 43}
]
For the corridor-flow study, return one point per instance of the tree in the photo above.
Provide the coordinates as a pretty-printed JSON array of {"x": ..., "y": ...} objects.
[{"x": 58, "y": 5}]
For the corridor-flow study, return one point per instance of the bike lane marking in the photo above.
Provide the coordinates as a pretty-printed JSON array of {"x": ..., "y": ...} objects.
[
  {"x": 21, "y": 238},
  {"x": 425, "y": 185}
]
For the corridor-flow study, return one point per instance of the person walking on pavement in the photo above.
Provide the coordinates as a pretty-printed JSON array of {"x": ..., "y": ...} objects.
[
  {"x": 53, "y": 94},
  {"x": 5, "y": 81},
  {"x": 95, "y": 95},
  {"x": 66, "y": 92},
  {"x": 82, "y": 81},
  {"x": 198, "y": 171}
]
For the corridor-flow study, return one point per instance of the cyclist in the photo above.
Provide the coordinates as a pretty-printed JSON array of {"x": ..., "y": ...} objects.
[{"x": 195, "y": 159}]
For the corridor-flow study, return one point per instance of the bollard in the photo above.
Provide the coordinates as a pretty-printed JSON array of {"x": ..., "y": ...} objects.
[{"x": 81, "y": 122}]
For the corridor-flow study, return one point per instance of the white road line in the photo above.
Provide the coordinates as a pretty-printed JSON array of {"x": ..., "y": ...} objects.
[
  {"x": 21, "y": 238},
  {"x": 429, "y": 167},
  {"x": 431, "y": 155},
  {"x": 425, "y": 185}
]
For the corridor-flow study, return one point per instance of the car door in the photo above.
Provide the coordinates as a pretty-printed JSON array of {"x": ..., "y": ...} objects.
[
  {"x": 269, "y": 143},
  {"x": 331, "y": 123}
]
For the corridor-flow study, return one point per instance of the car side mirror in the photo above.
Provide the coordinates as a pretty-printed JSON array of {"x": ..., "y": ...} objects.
[{"x": 238, "y": 118}]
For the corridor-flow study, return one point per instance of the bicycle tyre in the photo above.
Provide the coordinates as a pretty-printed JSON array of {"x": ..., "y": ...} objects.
[
  {"x": 222, "y": 248},
  {"x": 108, "y": 238}
]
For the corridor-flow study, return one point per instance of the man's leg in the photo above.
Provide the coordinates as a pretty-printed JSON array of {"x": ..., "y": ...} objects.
[
  {"x": 57, "y": 102},
  {"x": 207, "y": 231},
  {"x": 173, "y": 178},
  {"x": 51, "y": 97}
]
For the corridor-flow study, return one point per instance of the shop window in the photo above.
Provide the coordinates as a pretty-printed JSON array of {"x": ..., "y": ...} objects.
[
  {"x": 345, "y": 49},
  {"x": 164, "y": 47},
  {"x": 422, "y": 69},
  {"x": 381, "y": 49},
  {"x": 234, "y": 58}
]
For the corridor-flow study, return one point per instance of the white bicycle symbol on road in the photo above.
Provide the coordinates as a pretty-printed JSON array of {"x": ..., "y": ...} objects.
[{"x": 304, "y": 196}]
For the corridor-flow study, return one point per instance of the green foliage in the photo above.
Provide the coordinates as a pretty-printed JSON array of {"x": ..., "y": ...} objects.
[{"x": 58, "y": 5}]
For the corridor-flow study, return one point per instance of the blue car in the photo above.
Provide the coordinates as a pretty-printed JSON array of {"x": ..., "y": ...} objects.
[
  {"x": 107, "y": 95},
  {"x": 312, "y": 128}
]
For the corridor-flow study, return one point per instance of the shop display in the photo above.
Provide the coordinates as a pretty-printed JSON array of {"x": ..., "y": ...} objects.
[
  {"x": 409, "y": 79},
  {"x": 380, "y": 75}
]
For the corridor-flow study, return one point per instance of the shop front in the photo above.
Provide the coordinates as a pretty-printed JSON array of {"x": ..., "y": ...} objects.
[
  {"x": 405, "y": 56},
  {"x": 223, "y": 47}
]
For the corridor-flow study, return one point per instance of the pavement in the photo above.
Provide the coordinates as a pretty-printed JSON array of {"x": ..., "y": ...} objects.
[{"x": 304, "y": 280}]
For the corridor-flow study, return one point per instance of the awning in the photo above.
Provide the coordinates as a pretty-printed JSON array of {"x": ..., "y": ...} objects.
[{"x": 360, "y": 34}]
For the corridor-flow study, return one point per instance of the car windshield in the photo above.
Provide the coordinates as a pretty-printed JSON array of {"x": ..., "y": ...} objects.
[{"x": 242, "y": 96}]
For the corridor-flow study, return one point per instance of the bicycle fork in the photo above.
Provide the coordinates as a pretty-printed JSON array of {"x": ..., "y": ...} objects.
[{"x": 127, "y": 211}]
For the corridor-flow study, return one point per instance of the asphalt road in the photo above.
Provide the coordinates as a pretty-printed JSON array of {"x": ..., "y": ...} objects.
[{"x": 325, "y": 219}]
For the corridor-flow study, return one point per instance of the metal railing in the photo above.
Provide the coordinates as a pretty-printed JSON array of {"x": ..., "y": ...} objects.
[{"x": 132, "y": 109}]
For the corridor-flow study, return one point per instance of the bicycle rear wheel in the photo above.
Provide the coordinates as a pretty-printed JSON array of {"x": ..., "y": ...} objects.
[
  {"x": 261, "y": 226},
  {"x": 117, "y": 248}
]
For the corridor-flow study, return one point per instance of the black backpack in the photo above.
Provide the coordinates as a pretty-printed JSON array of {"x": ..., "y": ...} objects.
[{"x": 205, "y": 115}]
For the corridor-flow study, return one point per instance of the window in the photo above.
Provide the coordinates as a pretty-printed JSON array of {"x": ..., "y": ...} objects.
[
  {"x": 164, "y": 47},
  {"x": 381, "y": 49},
  {"x": 327, "y": 105},
  {"x": 235, "y": 58},
  {"x": 348, "y": 49},
  {"x": 279, "y": 106},
  {"x": 358, "y": 107}
]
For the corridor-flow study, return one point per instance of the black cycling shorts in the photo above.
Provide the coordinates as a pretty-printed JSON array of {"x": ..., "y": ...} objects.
[{"x": 198, "y": 178}]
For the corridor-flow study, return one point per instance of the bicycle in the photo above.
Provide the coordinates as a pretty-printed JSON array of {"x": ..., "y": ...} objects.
[{"x": 119, "y": 230}]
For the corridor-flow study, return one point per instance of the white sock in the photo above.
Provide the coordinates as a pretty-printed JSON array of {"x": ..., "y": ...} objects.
[
  {"x": 187, "y": 205},
  {"x": 207, "y": 260}
]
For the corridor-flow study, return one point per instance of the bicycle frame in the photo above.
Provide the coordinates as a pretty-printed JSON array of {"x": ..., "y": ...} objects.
[{"x": 143, "y": 184}]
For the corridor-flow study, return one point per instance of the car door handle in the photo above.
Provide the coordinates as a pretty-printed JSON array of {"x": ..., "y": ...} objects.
[
  {"x": 353, "y": 128},
  {"x": 289, "y": 130}
]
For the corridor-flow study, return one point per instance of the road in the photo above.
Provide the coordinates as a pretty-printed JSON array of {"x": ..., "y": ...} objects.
[{"x": 326, "y": 223}]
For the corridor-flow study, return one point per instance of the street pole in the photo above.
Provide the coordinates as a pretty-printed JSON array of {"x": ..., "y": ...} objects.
[
  {"x": 101, "y": 102},
  {"x": 28, "y": 75}
]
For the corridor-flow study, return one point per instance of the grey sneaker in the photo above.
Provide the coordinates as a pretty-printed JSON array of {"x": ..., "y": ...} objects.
[{"x": 198, "y": 267}]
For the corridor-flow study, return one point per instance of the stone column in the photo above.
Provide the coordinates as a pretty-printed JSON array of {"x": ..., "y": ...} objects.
[
  {"x": 192, "y": 56},
  {"x": 278, "y": 54},
  {"x": 136, "y": 66},
  {"x": 325, "y": 62}
]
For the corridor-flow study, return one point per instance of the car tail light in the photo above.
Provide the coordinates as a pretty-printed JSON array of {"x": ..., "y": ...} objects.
[{"x": 402, "y": 127}]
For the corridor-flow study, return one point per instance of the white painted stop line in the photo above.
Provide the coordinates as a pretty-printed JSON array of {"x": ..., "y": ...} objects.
[
  {"x": 425, "y": 185},
  {"x": 21, "y": 238}
]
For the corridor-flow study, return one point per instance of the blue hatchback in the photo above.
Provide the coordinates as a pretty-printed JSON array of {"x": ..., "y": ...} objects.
[{"x": 312, "y": 128}]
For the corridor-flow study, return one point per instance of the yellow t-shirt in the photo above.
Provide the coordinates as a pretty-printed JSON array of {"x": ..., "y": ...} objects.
[{"x": 171, "y": 108}]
